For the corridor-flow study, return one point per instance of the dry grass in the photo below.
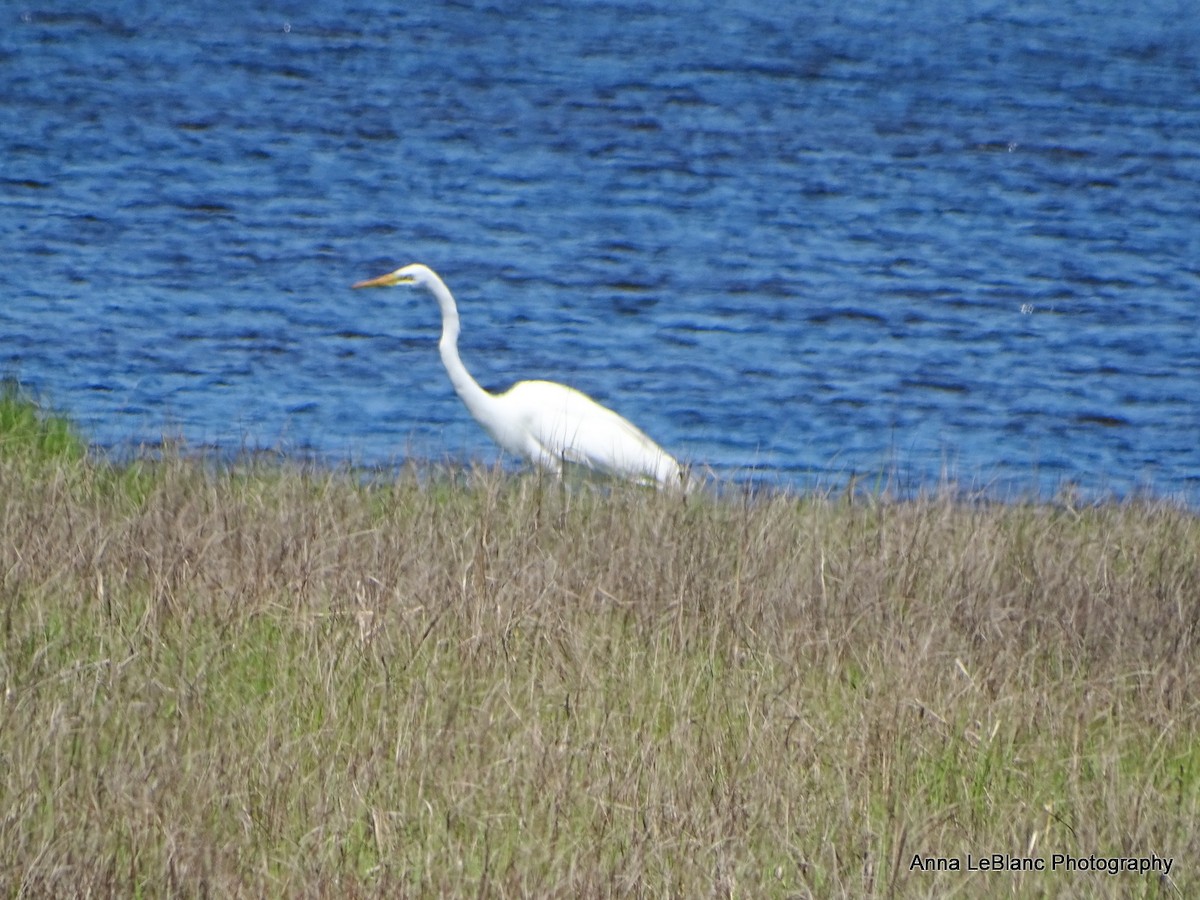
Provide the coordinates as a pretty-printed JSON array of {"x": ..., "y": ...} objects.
[{"x": 259, "y": 681}]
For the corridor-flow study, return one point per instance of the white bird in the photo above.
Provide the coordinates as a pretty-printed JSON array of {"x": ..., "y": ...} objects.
[{"x": 549, "y": 424}]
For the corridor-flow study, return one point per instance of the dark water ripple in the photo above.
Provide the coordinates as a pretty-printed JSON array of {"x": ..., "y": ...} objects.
[{"x": 802, "y": 245}]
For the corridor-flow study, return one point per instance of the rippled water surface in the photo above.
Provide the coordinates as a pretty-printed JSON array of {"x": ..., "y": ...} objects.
[{"x": 825, "y": 241}]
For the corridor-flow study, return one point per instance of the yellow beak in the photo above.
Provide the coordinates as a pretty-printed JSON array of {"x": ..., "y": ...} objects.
[{"x": 387, "y": 280}]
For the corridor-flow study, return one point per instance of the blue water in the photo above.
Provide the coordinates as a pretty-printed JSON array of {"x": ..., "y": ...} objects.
[{"x": 826, "y": 241}]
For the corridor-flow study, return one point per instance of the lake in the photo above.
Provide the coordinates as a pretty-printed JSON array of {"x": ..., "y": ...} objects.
[{"x": 901, "y": 243}]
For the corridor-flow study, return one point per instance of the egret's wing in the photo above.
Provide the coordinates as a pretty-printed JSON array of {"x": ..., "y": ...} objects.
[{"x": 568, "y": 426}]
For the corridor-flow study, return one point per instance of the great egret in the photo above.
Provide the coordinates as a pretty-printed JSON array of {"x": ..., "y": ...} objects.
[{"x": 547, "y": 423}]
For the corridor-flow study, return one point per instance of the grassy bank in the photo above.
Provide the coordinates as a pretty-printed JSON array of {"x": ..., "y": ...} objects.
[{"x": 263, "y": 681}]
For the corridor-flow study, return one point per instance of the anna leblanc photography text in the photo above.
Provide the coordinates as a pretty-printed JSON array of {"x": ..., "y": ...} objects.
[{"x": 1057, "y": 862}]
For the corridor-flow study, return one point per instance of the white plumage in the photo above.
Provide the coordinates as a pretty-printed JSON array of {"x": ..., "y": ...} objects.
[{"x": 548, "y": 424}]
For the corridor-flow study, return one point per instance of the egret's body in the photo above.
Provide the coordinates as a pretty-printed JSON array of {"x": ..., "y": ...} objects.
[{"x": 549, "y": 424}]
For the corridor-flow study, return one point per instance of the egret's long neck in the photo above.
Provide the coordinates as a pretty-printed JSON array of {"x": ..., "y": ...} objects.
[{"x": 478, "y": 401}]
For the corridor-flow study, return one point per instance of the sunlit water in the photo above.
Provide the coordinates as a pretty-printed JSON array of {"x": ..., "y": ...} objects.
[{"x": 797, "y": 245}]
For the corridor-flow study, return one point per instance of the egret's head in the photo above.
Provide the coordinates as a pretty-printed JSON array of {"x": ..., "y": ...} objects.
[{"x": 410, "y": 274}]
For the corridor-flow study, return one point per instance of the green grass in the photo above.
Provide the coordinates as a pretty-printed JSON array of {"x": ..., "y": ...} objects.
[
  {"x": 257, "y": 680},
  {"x": 27, "y": 431}
]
